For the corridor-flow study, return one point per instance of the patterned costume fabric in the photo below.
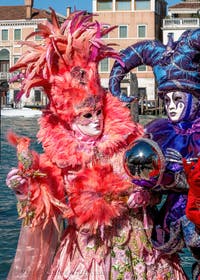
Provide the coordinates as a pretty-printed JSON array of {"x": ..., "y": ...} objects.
[
  {"x": 80, "y": 177},
  {"x": 175, "y": 65},
  {"x": 176, "y": 69},
  {"x": 173, "y": 225}
]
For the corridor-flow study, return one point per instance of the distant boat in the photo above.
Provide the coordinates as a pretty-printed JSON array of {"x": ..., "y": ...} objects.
[{"x": 24, "y": 112}]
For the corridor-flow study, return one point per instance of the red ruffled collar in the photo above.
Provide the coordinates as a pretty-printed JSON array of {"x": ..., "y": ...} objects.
[{"x": 67, "y": 151}]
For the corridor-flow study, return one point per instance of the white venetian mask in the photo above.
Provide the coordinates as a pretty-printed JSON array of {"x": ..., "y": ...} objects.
[
  {"x": 89, "y": 123},
  {"x": 181, "y": 106}
]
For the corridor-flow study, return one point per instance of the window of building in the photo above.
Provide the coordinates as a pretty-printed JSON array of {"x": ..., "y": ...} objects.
[
  {"x": 4, "y": 66},
  {"x": 4, "y": 34},
  {"x": 142, "y": 93},
  {"x": 170, "y": 35},
  {"x": 142, "y": 68},
  {"x": 15, "y": 59},
  {"x": 4, "y": 54},
  {"x": 17, "y": 34},
  {"x": 123, "y": 5},
  {"x": 124, "y": 90},
  {"x": 37, "y": 37},
  {"x": 4, "y": 60},
  {"x": 104, "y": 65},
  {"x": 123, "y": 31},
  {"x": 142, "y": 4},
  {"x": 141, "y": 31},
  {"x": 38, "y": 96},
  {"x": 106, "y": 27},
  {"x": 158, "y": 7},
  {"x": 104, "y": 5}
]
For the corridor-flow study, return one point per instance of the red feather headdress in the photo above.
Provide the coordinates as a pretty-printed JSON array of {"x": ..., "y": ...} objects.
[{"x": 66, "y": 63}]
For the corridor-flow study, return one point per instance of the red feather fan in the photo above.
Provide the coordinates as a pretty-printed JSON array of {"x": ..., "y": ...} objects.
[{"x": 97, "y": 196}]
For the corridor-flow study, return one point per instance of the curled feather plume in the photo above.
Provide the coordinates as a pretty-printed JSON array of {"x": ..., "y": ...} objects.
[{"x": 75, "y": 43}]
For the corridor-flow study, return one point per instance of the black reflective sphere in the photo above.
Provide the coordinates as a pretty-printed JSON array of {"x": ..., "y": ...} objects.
[{"x": 144, "y": 161}]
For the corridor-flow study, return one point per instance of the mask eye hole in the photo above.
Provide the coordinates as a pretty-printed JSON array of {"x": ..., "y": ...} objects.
[
  {"x": 99, "y": 112},
  {"x": 177, "y": 98},
  {"x": 87, "y": 116},
  {"x": 166, "y": 100}
]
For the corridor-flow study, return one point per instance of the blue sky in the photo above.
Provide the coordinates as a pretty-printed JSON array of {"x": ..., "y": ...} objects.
[{"x": 60, "y": 5}]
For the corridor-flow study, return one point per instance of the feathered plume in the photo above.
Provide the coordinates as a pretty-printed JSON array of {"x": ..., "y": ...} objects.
[
  {"x": 77, "y": 42},
  {"x": 41, "y": 204},
  {"x": 22, "y": 144}
]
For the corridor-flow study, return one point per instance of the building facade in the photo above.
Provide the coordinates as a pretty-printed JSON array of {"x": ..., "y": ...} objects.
[
  {"x": 16, "y": 23},
  {"x": 182, "y": 16},
  {"x": 136, "y": 20}
]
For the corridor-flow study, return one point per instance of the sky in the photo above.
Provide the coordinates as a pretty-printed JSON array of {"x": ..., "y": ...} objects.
[{"x": 60, "y": 5}]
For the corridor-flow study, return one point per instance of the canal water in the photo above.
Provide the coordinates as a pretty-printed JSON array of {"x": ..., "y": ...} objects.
[{"x": 9, "y": 223}]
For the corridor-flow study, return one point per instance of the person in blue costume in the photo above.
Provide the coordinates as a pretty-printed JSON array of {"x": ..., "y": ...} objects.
[{"x": 176, "y": 67}]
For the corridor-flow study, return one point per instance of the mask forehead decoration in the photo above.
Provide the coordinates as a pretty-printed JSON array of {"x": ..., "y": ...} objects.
[
  {"x": 66, "y": 62},
  {"x": 90, "y": 102},
  {"x": 80, "y": 74}
]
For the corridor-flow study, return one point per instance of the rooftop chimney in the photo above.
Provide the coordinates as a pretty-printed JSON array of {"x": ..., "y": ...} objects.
[
  {"x": 29, "y": 5},
  {"x": 68, "y": 11}
]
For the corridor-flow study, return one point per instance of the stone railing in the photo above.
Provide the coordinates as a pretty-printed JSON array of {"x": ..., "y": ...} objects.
[{"x": 181, "y": 22}]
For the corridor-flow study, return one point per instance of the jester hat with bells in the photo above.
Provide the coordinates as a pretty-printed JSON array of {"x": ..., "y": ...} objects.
[
  {"x": 65, "y": 64},
  {"x": 175, "y": 65}
]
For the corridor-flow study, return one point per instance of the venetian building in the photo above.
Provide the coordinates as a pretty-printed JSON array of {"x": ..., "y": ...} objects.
[
  {"x": 16, "y": 22},
  {"x": 137, "y": 20},
  {"x": 181, "y": 16}
]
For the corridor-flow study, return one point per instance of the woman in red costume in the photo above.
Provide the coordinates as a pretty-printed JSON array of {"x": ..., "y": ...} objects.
[{"x": 80, "y": 176}]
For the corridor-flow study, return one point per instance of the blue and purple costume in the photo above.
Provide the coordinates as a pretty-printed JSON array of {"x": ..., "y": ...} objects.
[
  {"x": 172, "y": 230},
  {"x": 176, "y": 67}
]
